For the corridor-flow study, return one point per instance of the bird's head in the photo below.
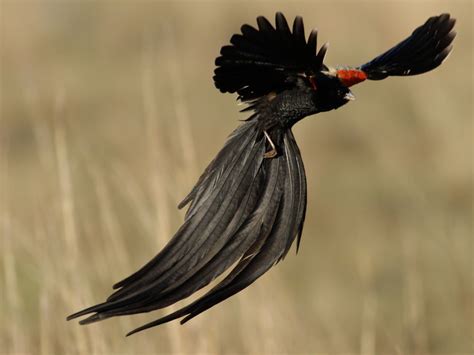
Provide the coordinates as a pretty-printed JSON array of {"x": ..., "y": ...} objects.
[{"x": 331, "y": 86}]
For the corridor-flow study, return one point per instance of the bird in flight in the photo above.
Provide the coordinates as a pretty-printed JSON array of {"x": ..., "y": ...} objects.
[{"x": 249, "y": 205}]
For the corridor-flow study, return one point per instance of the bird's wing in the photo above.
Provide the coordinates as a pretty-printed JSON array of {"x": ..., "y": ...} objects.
[
  {"x": 422, "y": 51},
  {"x": 264, "y": 60},
  {"x": 245, "y": 209}
]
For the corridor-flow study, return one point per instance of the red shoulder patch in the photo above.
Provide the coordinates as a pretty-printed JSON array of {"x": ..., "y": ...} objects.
[{"x": 350, "y": 77}]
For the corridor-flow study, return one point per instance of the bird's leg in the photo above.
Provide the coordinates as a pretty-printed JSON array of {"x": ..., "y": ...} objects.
[{"x": 273, "y": 152}]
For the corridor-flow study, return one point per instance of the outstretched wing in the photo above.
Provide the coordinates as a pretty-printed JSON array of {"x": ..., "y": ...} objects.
[
  {"x": 245, "y": 209},
  {"x": 266, "y": 59},
  {"x": 422, "y": 51}
]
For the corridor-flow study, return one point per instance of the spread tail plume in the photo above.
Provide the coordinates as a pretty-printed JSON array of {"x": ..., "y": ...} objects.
[{"x": 244, "y": 209}]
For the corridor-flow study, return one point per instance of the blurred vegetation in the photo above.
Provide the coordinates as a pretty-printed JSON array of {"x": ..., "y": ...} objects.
[{"x": 108, "y": 115}]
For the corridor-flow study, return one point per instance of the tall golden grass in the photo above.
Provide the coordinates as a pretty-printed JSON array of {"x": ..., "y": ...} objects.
[{"x": 108, "y": 115}]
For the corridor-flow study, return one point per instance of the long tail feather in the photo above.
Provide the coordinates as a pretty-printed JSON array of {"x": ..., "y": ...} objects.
[{"x": 244, "y": 209}]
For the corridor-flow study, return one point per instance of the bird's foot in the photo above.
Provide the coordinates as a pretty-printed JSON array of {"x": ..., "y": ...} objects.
[
  {"x": 273, "y": 152},
  {"x": 270, "y": 154}
]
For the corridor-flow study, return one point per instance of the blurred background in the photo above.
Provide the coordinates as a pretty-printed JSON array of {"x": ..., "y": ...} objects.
[{"x": 108, "y": 116}]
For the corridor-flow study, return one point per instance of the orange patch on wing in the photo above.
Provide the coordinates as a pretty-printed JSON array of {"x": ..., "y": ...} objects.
[
  {"x": 351, "y": 77},
  {"x": 312, "y": 82}
]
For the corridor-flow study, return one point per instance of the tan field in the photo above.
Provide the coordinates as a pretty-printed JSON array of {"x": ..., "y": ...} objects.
[{"x": 108, "y": 116}]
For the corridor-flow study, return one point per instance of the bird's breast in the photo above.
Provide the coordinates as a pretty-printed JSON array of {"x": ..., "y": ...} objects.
[{"x": 287, "y": 108}]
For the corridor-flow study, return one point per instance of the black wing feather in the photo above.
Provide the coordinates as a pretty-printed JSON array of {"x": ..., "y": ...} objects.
[
  {"x": 298, "y": 31},
  {"x": 425, "y": 49},
  {"x": 260, "y": 61}
]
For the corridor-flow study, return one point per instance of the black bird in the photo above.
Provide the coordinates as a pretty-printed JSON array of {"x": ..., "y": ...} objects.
[{"x": 249, "y": 205}]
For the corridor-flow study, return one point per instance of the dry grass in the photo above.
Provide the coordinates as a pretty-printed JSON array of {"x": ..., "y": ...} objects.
[{"x": 108, "y": 114}]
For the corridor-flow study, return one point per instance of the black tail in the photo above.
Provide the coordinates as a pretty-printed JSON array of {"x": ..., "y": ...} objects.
[
  {"x": 423, "y": 51},
  {"x": 244, "y": 209}
]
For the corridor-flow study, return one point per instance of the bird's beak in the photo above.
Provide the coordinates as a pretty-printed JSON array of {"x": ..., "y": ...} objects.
[{"x": 349, "y": 96}]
